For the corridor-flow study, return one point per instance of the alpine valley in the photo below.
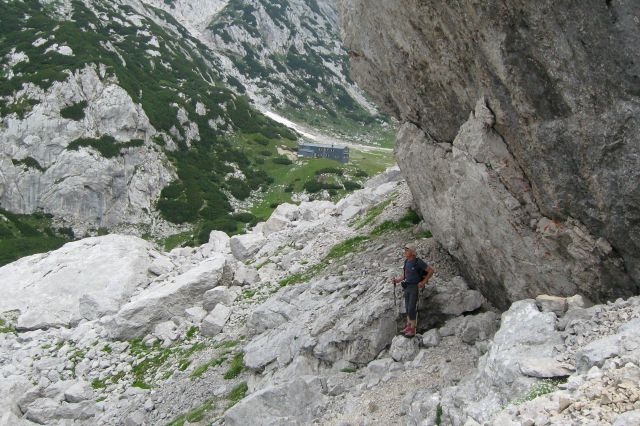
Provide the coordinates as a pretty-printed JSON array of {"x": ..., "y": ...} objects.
[
  {"x": 140, "y": 117},
  {"x": 168, "y": 256}
]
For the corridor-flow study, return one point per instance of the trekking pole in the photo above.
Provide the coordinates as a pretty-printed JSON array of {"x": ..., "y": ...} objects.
[
  {"x": 395, "y": 302},
  {"x": 418, "y": 307}
]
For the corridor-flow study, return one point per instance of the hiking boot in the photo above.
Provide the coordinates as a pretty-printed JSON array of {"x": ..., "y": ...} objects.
[
  {"x": 410, "y": 332},
  {"x": 406, "y": 328}
]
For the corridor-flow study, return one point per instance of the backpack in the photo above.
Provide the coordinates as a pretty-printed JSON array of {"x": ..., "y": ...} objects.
[{"x": 421, "y": 270}]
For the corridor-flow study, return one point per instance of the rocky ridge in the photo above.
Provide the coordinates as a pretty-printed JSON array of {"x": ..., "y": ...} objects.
[
  {"x": 287, "y": 56},
  {"x": 104, "y": 105}
]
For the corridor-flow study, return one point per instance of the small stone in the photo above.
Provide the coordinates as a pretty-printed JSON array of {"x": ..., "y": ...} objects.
[
  {"x": 557, "y": 305},
  {"x": 563, "y": 403},
  {"x": 148, "y": 405}
]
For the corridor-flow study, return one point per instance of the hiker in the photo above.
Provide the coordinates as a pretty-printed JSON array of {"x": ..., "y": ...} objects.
[{"x": 415, "y": 275}]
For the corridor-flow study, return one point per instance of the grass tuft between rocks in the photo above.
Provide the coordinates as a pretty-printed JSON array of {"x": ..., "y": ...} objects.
[
  {"x": 236, "y": 367},
  {"x": 6, "y": 328},
  {"x": 540, "y": 388},
  {"x": 200, "y": 370},
  {"x": 195, "y": 415},
  {"x": 98, "y": 384},
  {"x": 237, "y": 394},
  {"x": 346, "y": 247}
]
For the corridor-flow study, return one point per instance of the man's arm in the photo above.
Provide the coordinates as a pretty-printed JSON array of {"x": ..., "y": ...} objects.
[
  {"x": 396, "y": 280},
  {"x": 426, "y": 278}
]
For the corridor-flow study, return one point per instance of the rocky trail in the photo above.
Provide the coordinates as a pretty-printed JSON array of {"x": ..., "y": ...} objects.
[{"x": 295, "y": 323}]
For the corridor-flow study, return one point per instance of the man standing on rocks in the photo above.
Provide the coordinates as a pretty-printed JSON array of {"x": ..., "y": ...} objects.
[{"x": 416, "y": 274}]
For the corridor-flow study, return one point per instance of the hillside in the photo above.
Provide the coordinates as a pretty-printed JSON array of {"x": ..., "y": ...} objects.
[
  {"x": 116, "y": 118},
  {"x": 288, "y": 57},
  {"x": 296, "y": 322}
]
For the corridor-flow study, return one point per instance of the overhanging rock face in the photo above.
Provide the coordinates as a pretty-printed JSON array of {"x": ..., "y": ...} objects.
[{"x": 537, "y": 190}]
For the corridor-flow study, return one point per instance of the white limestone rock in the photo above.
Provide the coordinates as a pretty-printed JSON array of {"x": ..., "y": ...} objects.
[
  {"x": 455, "y": 298},
  {"x": 167, "y": 331},
  {"x": 332, "y": 326},
  {"x": 11, "y": 390},
  {"x": 544, "y": 368},
  {"x": 404, "y": 349},
  {"x": 196, "y": 314},
  {"x": 219, "y": 242},
  {"x": 578, "y": 301},
  {"x": 165, "y": 299},
  {"x": 223, "y": 295},
  {"x": 595, "y": 353},
  {"x": 524, "y": 331},
  {"x": 83, "y": 279},
  {"x": 283, "y": 215},
  {"x": 245, "y": 275},
  {"x": 81, "y": 186},
  {"x": 296, "y": 402},
  {"x": 215, "y": 321},
  {"x": 431, "y": 338},
  {"x": 244, "y": 246},
  {"x": 161, "y": 266},
  {"x": 555, "y": 304},
  {"x": 79, "y": 391}
]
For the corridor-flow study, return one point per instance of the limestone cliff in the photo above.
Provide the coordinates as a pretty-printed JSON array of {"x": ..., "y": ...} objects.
[{"x": 537, "y": 190}]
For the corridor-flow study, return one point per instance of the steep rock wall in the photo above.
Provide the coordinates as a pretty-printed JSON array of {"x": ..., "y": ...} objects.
[
  {"x": 561, "y": 92},
  {"x": 81, "y": 186}
]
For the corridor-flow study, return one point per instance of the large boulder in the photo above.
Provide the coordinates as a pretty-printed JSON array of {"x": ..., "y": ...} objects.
[
  {"x": 404, "y": 349},
  {"x": 224, "y": 295},
  {"x": 244, "y": 246},
  {"x": 299, "y": 401},
  {"x": 351, "y": 321},
  {"x": 455, "y": 298},
  {"x": 626, "y": 341},
  {"x": 163, "y": 300},
  {"x": 530, "y": 139},
  {"x": 281, "y": 217},
  {"x": 84, "y": 279},
  {"x": 526, "y": 335},
  {"x": 213, "y": 323},
  {"x": 11, "y": 389}
]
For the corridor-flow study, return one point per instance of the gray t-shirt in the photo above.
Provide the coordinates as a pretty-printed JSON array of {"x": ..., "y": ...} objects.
[{"x": 414, "y": 270}]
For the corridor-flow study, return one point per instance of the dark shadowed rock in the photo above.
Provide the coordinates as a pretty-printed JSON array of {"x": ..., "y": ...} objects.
[{"x": 539, "y": 185}]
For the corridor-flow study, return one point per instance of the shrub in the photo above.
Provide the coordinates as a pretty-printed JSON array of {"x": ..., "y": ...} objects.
[
  {"x": 243, "y": 217},
  {"x": 261, "y": 140},
  {"x": 238, "y": 188},
  {"x": 105, "y": 145},
  {"x": 329, "y": 170},
  {"x": 75, "y": 111},
  {"x": 29, "y": 162},
  {"x": 282, "y": 160},
  {"x": 312, "y": 186},
  {"x": 351, "y": 186}
]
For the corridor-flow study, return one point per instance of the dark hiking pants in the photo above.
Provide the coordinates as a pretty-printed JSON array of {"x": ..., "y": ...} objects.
[{"x": 411, "y": 300}]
